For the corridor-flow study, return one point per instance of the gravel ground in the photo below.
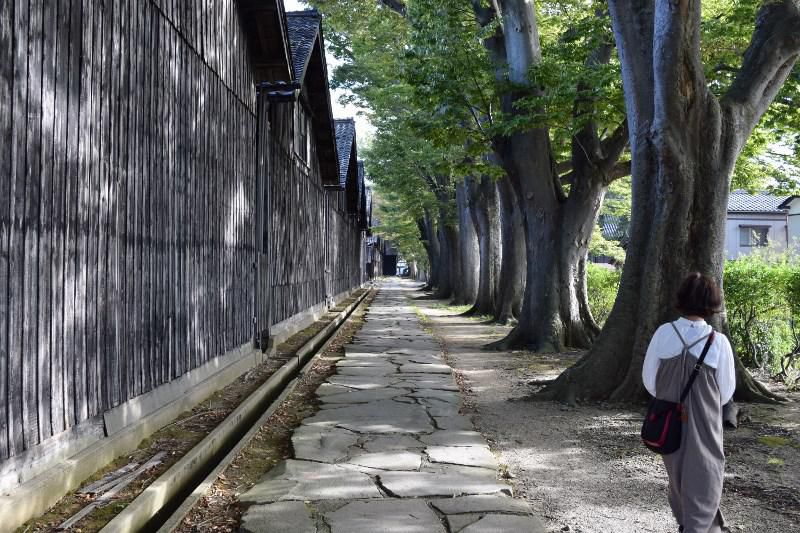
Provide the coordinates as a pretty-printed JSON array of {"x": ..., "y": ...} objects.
[{"x": 584, "y": 469}]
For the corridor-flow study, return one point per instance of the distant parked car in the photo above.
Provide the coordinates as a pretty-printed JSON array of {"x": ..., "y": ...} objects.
[{"x": 402, "y": 268}]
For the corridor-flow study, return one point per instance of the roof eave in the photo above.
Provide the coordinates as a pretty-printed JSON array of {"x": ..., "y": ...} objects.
[
  {"x": 261, "y": 20},
  {"x": 319, "y": 43},
  {"x": 786, "y": 204},
  {"x": 321, "y": 109},
  {"x": 742, "y": 212}
]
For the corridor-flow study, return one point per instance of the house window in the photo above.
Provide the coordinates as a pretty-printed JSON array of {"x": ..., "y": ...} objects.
[
  {"x": 301, "y": 145},
  {"x": 751, "y": 236}
]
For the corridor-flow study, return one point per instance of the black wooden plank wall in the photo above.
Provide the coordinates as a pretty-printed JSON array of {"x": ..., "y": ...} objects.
[
  {"x": 297, "y": 239},
  {"x": 345, "y": 241},
  {"x": 127, "y": 182},
  {"x": 128, "y": 206}
]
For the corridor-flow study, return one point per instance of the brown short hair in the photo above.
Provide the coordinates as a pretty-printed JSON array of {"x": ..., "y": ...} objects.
[{"x": 698, "y": 295}]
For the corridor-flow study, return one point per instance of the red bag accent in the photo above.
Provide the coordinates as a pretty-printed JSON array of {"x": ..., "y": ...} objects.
[{"x": 663, "y": 437}]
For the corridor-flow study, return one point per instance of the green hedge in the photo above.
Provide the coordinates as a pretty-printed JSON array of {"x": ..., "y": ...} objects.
[
  {"x": 762, "y": 299},
  {"x": 602, "y": 285}
]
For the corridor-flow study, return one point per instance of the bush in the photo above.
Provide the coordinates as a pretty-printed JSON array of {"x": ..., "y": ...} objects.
[
  {"x": 602, "y": 286},
  {"x": 762, "y": 300}
]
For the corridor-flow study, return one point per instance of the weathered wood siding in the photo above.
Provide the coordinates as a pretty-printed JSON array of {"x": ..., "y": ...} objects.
[
  {"x": 126, "y": 203},
  {"x": 295, "y": 226},
  {"x": 344, "y": 246},
  {"x": 149, "y": 209}
]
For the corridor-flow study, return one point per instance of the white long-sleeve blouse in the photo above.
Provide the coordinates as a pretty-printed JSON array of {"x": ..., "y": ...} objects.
[{"x": 666, "y": 344}]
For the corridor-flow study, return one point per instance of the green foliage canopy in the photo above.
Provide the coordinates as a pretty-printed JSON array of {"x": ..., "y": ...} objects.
[{"x": 431, "y": 90}]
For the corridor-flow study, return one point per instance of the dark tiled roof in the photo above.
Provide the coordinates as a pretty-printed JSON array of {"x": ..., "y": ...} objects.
[
  {"x": 264, "y": 23},
  {"x": 362, "y": 197},
  {"x": 345, "y": 135},
  {"x": 614, "y": 228},
  {"x": 787, "y": 203},
  {"x": 303, "y": 29},
  {"x": 361, "y": 176},
  {"x": 369, "y": 205},
  {"x": 280, "y": 91},
  {"x": 744, "y": 202}
]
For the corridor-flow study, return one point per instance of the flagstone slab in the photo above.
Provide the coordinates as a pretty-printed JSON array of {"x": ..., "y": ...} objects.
[
  {"x": 499, "y": 523},
  {"x": 325, "y": 444},
  {"x": 424, "y": 384},
  {"x": 426, "y": 368},
  {"x": 454, "y": 438},
  {"x": 354, "y": 354},
  {"x": 382, "y": 416},
  {"x": 445, "y": 468},
  {"x": 308, "y": 480},
  {"x": 422, "y": 377},
  {"x": 362, "y": 396},
  {"x": 278, "y": 517},
  {"x": 428, "y": 348},
  {"x": 445, "y": 396},
  {"x": 455, "y": 483},
  {"x": 394, "y": 342},
  {"x": 415, "y": 352},
  {"x": 405, "y": 399},
  {"x": 379, "y": 443},
  {"x": 329, "y": 388},
  {"x": 410, "y": 361},
  {"x": 364, "y": 362},
  {"x": 388, "y": 424},
  {"x": 481, "y": 504},
  {"x": 361, "y": 382},
  {"x": 387, "y": 516},
  {"x": 463, "y": 455},
  {"x": 459, "y": 521},
  {"x": 375, "y": 370},
  {"x": 391, "y": 460},
  {"x": 391, "y": 334},
  {"x": 439, "y": 408},
  {"x": 457, "y": 423}
]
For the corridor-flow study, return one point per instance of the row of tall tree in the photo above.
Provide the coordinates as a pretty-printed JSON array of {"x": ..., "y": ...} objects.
[{"x": 502, "y": 124}]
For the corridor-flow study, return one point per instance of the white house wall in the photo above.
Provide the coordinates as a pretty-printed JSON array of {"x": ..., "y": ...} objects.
[
  {"x": 794, "y": 223},
  {"x": 777, "y": 233}
]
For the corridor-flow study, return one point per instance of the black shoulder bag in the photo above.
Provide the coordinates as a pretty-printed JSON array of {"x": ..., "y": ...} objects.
[{"x": 661, "y": 431}]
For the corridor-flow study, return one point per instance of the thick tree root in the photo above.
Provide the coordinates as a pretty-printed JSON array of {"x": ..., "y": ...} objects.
[
  {"x": 750, "y": 390},
  {"x": 575, "y": 383},
  {"x": 562, "y": 389},
  {"x": 477, "y": 310},
  {"x": 505, "y": 320},
  {"x": 512, "y": 341},
  {"x": 442, "y": 295},
  {"x": 730, "y": 415},
  {"x": 516, "y": 340}
]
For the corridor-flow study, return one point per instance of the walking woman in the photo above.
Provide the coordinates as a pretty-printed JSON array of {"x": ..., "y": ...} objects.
[{"x": 696, "y": 469}]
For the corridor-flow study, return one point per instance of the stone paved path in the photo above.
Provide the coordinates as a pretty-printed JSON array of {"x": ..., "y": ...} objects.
[{"x": 388, "y": 451}]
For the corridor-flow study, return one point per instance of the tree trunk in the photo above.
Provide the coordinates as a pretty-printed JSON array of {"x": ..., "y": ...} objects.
[
  {"x": 484, "y": 212},
  {"x": 448, "y": 256},
  {"x": 555, "y": 313},
  {"x": 430, "y": 241},
  {"x": 511, "y": 280},
  {"x": 684, "y": 144},
  {"x": 465, "y": 289},
  {"x": 557, "y": 226}
]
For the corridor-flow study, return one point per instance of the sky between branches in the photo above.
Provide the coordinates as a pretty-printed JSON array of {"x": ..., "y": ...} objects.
[{"x": 364, "y": 129}]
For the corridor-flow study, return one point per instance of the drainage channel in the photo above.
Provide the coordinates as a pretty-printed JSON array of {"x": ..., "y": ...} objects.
[{"x": 166, "y": 501}]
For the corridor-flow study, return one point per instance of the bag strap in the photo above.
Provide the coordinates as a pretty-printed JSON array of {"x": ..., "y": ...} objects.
[
  {"x": 697, "y": 367},
  {"x": 685, "y": 345},
  {"x": 678, "y": 333}
]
